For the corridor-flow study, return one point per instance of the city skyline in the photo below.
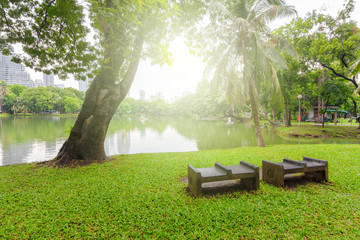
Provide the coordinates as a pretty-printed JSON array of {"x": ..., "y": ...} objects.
[{"x": 14, "y": 73}]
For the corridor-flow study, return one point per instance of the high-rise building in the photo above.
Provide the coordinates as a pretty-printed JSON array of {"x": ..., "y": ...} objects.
[
  {"x": 62, "y": 86},
  {"x": 142, "y": 94},
  {"x": 14, "y": 73},
  {"x": 39, "y": 83},
  {"x": 48, "y": 80},
  {"x": 84, "y": 85}
]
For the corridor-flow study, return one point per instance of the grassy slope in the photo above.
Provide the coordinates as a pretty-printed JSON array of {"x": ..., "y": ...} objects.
[
  {"x": 140, "y": 196},
  {"x": 317, "y": 131}
]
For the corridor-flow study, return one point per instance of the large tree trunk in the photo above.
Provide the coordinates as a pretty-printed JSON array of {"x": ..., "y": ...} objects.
[
  {"x": 261, "y": 115},
  {"x": 255, "y": 115},
  {"x": 355, "y": 108},
  {"x": 287, "y": 115},
  {"x": 86, "y": 140}
]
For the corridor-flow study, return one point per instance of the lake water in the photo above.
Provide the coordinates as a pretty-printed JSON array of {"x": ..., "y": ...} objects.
[{"x": 34, "y": 139}]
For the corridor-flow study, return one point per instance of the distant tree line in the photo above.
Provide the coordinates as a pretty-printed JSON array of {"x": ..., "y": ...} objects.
[
  {"x": 206, "y": 102},
  {"x": 20, "y": 99}
]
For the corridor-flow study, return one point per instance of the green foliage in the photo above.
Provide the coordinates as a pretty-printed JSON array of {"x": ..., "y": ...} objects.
[
  {"x": 72, "y": 105},
  {"x": 140, "y": 107},
  {"x": 38, "y": 99},
  {"x": 334, "y": 93},
  {"x": 126, "y": 198},
  {"x": 61, "y": 95},
  {"x": 206, "y": 102},
  {"x": 325, "y": 40},
  {"x": 17, "y": 105},
  {"x": 42, "y": 99},
  {"x": 17, "y": 89},
  {"x": 126, "y": 106},
  {"x": 8, "y": 101},
  {"x": 326, "y": 47},
  {"x": 3, "y": 92},
  {"x": 52, "y": 34},
  {"x": 159, "y": 107}
]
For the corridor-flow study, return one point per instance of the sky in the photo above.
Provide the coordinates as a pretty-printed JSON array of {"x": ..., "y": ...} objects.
[{"x": 187, "y": 70}]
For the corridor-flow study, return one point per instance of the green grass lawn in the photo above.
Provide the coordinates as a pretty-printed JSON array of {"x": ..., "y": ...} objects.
[
  {"x": 141, "y": 196},
  {"x": 310, "y": 130}
]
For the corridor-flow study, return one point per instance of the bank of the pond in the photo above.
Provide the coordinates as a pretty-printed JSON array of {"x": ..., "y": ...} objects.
[
  {"x": 317, "y": 131},
  {"x": 5, "y": 115},
  {"x": 38, "y": 115},
  {"x": 141, "y": 196}
]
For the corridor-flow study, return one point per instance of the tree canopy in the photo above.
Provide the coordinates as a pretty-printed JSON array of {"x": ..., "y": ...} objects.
[{"x": 51, "y": 32}]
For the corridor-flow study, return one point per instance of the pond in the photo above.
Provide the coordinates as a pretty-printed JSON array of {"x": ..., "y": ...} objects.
[{"x": 34, "y": 139}]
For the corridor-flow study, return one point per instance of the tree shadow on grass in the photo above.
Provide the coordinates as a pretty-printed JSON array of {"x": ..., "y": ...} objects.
[
  {"x": 74, "y": 163},
  {"x": 294, "y": 181},
  {"x": 214, "y": 189}
]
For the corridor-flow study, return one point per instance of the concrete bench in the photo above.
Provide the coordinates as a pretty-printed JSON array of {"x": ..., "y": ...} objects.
[
  {"x": 248, "y": 173},
  {"x": 274, "y": 173}
]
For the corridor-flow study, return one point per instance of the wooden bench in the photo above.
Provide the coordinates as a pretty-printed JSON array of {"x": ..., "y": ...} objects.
[
  {"x": 248, "y": 173},
  {"x": 274, "y": 173}
]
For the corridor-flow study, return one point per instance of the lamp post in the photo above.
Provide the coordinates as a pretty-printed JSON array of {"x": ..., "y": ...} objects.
[{"x": 299, "y": 97}]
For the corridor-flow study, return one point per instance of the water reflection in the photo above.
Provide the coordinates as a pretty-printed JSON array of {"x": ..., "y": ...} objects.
[
  {"x": 29, "y": 151},
  {"x": 32, "y": 139}
]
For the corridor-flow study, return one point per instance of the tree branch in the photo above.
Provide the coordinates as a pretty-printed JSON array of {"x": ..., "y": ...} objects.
[
  {"x": 45, "y": 19},
  {"x": 263, "y": 116},
  {"x": 73, "y": 34},
  {"x": 7, "y": 20},
  {"x": 343, "y": 61},
  {"x": 340, "y": 75}
]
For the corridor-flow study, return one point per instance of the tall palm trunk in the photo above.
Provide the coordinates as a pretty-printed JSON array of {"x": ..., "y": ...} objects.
[
  {"x": 287, "y": 114},
  {"x": 255, "y": 114},
  {"x": 273, "y": 110}
]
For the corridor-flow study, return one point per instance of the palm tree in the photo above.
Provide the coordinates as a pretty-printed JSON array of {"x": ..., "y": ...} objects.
[
  {"x": 247, "y": 54},
  {"x": 3, "y": 91},
  {"x": 25, "y": 108},
  {"x": 17, "y": 105}
]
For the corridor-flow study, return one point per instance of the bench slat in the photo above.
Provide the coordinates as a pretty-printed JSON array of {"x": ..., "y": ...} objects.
[{"x": 246, "y": 171}]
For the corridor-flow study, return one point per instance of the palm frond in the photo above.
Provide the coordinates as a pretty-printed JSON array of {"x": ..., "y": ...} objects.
[
  {"x": 275, "y": 80},
  {"x": 355, "y": 68},
  {"x": 219, "y": 7},
  {"x": 217, "y": 64},
  {"x": 274, "y": 56},
  {"x": 268, "y": 13},
  {"x": 241, "y": 24},
  {"x": 283, "y": 45},
  {"x": 357, "y": 91}
]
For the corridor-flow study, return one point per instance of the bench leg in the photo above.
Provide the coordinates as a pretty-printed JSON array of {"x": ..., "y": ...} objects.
[
  {"x": 319, "y": 175},
  {"x": 273, "y": 173},
  {"x": 250, "y": 183},
  {"x": 194, "y": 182}
]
